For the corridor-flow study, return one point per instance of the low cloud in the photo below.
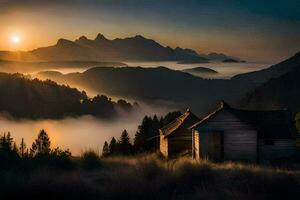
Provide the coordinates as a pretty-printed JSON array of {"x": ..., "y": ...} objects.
[{"x": 78, "y": 134}]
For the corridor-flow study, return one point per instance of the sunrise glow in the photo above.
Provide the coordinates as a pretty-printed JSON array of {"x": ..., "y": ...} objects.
[{"x": 15, "y": 39}]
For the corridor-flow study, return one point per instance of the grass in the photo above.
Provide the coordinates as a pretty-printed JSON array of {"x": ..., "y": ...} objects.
[{"x": 148, "y": 177}]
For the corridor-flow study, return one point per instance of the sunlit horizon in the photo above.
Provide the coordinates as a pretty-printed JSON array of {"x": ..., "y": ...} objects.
[{"x": 252, "y": 31}]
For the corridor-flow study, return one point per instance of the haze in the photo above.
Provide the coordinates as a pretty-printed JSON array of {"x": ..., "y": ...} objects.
[
  {"x": 258, "y": 31},
  {"x": 77, "y": 134}
]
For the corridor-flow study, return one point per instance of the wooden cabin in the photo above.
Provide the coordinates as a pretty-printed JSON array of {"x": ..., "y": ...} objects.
[
  {"x": 234, "y": 134},
  {"x": 176, "y": 137}
]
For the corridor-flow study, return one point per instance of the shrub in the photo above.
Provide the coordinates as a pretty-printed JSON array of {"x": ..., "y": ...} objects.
[{"x": 90, "y": 160}]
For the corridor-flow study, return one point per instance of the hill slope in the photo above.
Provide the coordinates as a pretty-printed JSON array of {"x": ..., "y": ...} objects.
[
  {"x": 161, "y": 83},
  {"x": 152, "y": 84},
  {"x": 261, "y": 76},
  {"x": 278, "y": 93},
  {"x": 24, "y": 98}
]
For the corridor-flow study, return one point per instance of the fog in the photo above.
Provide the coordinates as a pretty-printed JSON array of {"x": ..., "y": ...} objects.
[
  {"x": 88, "y": 132},
  {"x": 226, "y": 70},
  {"x": 78, "y": 134}
]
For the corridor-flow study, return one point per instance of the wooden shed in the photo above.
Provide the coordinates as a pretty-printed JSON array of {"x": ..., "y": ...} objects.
[
  {"x": 254, "y": 136},
  {"x": 176, "y": 137}
]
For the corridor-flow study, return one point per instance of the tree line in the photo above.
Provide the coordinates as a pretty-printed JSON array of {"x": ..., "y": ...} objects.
[
  {"x": 40, "y": 153},
  {"x": 146, "y": 139}
]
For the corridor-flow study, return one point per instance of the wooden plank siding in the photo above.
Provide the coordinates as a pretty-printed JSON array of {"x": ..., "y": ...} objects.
[
  {"x": 239, "y": 138},
  {"x": 163, "y": 145},
  {"x": 180, "y": 143},
  {"x": 196, "y": 145},
  {"x": 281, "y": 148}
]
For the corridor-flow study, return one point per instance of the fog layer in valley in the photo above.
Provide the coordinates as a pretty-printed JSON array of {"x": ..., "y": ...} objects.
[{"x": 77, "y": 134}]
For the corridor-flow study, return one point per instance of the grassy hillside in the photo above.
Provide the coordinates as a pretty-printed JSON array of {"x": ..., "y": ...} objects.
[{"x": 148, "y": 177}]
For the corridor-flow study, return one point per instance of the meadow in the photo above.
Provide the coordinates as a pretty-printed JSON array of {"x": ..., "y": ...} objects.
[{"x": 145, "y": 177}]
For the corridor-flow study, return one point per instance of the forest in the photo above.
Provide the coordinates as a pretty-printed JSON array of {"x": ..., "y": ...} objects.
[{"x": 22, "y": 97}]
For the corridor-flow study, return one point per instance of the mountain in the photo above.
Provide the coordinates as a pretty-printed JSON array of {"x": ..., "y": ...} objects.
[
  {"x": 152, "y": 84},
  {"x": 220, "y": 57},
  {"x": 181, "y": 88},
  {"x": 32, "y": 67},
  {"x": 22, "y": 97},
  {"x": 231, "y": 60},
  {"x": 202, "y": 72},
  {"x": 137, "y": 48},
  {"x": 261, "y": 76},
  {"x": 278, "y": 93}
]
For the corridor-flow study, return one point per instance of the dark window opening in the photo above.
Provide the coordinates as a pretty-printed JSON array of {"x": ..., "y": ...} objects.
[{"x": 269, "y": 142}]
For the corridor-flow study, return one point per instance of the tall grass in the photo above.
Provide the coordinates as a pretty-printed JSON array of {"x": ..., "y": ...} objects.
[{"x": 148, "y": 177}]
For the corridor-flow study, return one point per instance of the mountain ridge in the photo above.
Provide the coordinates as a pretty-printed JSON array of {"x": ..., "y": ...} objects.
[
  {"x": 136, "y": 48},
  {"x": 170, "y": 85}
]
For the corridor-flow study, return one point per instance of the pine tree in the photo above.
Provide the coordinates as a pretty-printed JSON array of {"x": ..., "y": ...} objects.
[
  {"x": 140, "y": 139},
  {"x": 22, "y": 149},
  {"x": 113, "y": 146},
  {"x": 105, "y": 150},
  {"x": 15, "y": 148},
  {"x": 41, "y": 145},
  {"x": 124, "y": 145},
  {"x": 6, "y": 141}
]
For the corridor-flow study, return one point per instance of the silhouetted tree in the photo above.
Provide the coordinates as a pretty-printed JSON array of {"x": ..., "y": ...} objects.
[
  {"x": 124, "y": 145},
  {"x": 15, "y": 148},
  {"x": 22, "y": 149},
  {"x": 147, "y": 136},
  {"x": 7, "y": 141},
  {"x": 41, "y": 145},
  {"x": 105, "y": 150},
  {"x": 113, "y": 146},
  {"x": 8, "y": 154},
  {"x": 170, "y": 117},
  {"x": 140, "y": 139}
]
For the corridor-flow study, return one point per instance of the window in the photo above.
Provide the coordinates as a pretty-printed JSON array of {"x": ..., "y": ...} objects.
[{"x": 269, "y": 142}]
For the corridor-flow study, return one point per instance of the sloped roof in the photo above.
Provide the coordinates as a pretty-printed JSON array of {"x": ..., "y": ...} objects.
[
  {"x": 275, "y": 124},
  {"x": 186, "y": 120}
]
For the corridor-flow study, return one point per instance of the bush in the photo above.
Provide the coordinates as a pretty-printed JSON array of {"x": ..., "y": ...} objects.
[{"x": 90, "y": 160}]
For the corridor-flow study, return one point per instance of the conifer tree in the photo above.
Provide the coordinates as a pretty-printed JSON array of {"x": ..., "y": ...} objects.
[
  {"x": 22, "y": 149},
  {"x": 140, "y": 139},
  {"x": 41, "y": 145},
  {"x": 124, "y": 145},
  {"x": 113, "y": 146},
  {"x": 15, "y": 148},
  {"x": 105, "y": 150}
]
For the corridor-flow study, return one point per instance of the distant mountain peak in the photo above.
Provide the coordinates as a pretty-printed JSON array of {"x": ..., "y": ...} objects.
[
  {"x": 64, "y": 42},
  {"x": 140, "y": 37},
  {"x": 100, "y": 37},
  {"x": 83, "y": 38},
  {"x": 216, "y": 54}
]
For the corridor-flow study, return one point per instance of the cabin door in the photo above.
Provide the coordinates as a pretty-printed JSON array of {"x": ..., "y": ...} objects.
[{"x": 212, "y": 145}]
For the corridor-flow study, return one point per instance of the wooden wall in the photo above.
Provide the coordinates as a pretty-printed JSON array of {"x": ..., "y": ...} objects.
[
  {"x": 196, "y": 145},
  {"x": 178, "y": 143},
  {"x": 163, "y": 145},
  {"x": 240, "y": 139},
  {"x": 281, "y": 148}
]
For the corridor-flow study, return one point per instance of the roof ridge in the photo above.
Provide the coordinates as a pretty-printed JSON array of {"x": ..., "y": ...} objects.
[{"x": 176, "y": 123}]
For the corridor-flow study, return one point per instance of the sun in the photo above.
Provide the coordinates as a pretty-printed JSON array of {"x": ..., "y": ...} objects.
[{"x": 15, "y": 39}]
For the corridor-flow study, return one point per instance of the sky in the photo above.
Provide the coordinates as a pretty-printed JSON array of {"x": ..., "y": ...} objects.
[{"x": 255, "y": 30}]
